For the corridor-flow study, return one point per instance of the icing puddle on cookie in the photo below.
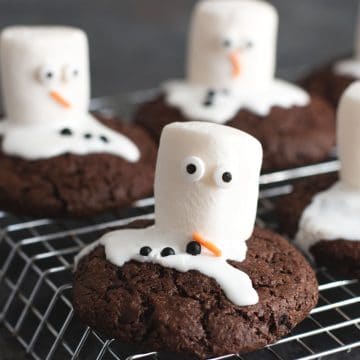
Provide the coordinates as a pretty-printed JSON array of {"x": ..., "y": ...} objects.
[
  {"x": 206, "y": 192},
  {"x": 334, "y": 214},
  {"x": 47, "y": 95}
]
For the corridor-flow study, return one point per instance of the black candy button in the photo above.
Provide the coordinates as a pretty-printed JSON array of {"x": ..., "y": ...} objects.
[
  {"x": 145, "y": 250},
  {"x": 168, "y": 251},
  {"x": 193, "y": 248},
  {"x": 87, "y": 136},
  {"x": 104, "y": 139},
  {"x": 66, "y": 132}
]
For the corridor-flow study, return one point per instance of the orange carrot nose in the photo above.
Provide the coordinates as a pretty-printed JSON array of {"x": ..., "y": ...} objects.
[
  {"x": 59, "y": 99},
  {"x": 235, "y": 62},
  {"x": 207, "y": 244}
]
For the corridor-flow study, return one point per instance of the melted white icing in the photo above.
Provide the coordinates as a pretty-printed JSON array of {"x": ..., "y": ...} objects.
[
  {"x": 35, "y": 141},
  {"x": 348, "y": 67},
  {"x": 190, "y": 99},
  {"x": 332, "y": 214},
  {"x": 124, "y": 245}
]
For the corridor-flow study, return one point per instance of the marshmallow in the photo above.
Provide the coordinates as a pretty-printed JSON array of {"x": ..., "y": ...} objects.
[
  {"x": 42, "y": 70},
  {"x": 206, "y": 190},
  {"x": 334, "y": 213},
  {"x": 231, "y": 63},
  {"x": 46, "y": 88},
  {"x": 202, "y": 201},
  {"x": 233, "y": 43},
  {"x": 348, "y": 136}
]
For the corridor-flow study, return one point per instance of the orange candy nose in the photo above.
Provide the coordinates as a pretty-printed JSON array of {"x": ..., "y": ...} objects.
[
  {"x": 207, "y": 244},
  {"x": 235, "y": 62},
  {"x": 59, "y": 99}
]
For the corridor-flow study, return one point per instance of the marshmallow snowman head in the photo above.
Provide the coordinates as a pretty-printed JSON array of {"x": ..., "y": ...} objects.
[
  {"x": 45, "y": 73},
  {"x": 233, "y": 44},
  {"x": 207, "y": 180},
  {"x": 348, "y": 136}
]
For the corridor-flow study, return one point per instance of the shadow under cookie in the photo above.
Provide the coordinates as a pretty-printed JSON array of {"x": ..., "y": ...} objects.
[
  {"x": 161, "y": 309},
  {"x": 290, "y": 137},
  {"x": 73, "y": 185}
]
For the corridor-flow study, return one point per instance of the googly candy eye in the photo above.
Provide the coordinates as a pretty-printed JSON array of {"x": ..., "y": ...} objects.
[
  {"x": 71, "y": 72},
  {"x": 47, "y": 74},
  {"x": 227, "y": 43},
  {"x": 223, "y": 178},
  {"x": 247, "y": 44},
  {"x": 193, "y": 168}
]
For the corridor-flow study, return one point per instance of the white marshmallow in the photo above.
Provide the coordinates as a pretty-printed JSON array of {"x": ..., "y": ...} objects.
[
  {"x": 193, "y": 196},
  {"x": 334, "y": 213},
  {"x": 46, "y": 88},
  {"x": 232, "y": 44},
  {"x": 348, "y": 136},
  {"x": 28, "y": 56},
  {"x": 224, "y": 213},
  {"x": 351, "y": 67},
  {"x": 232, "y": 52}
]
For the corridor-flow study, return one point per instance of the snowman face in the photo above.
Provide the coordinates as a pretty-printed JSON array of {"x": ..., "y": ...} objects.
[
  {"x": 233, "y": 44},
  {"x": 207, "y": 182},
  {"x": 45, "y": 73}
]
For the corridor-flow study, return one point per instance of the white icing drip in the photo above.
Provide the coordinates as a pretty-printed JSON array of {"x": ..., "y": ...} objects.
[
  {"x": 124, "y": 245},
  {"x": 332, "y": 214},
  {"x": 348, "y": 67},
  {"x": 36, "y": 141},
  {"x": 190, "y": 99}
]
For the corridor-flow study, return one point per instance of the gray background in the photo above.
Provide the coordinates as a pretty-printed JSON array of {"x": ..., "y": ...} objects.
[{"x": 136, "y": 44}]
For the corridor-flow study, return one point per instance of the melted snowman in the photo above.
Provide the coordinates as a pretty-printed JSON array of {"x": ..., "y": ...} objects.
[
  {"x": 46, "y": 89},
  {"x": 335, "y": 213},
  {"x": 206, "y": 192},
  {"x": 231, "y": 63}
]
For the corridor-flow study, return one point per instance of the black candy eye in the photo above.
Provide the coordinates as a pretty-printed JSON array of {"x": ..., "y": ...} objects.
[
  {"x": 145, "y": 251},
  {"x": 226, "y": 177},
  {"x": 223, "y": 178},
  {"x": 248, "y": 44},
  {"x": 168, "y": 251},
  {"x": 49, "y": 75},
  {"x": 193, "y": 168},
  {"x": 193, "y": 248},
  {"x": 226, "y": 43}
]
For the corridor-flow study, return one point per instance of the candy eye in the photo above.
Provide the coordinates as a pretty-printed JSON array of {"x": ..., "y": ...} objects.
[
  {"x": 47, "y": 74},
  {"x": 227, "y": 43},
  {"x": 71, "y": 72},
  {"x": 193, "y": 168},
  {"x": 223, "y": 178},
  {"x": 248, "y": 44}
]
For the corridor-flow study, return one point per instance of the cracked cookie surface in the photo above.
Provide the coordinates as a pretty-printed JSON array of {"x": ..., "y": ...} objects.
[
  {"x": 73, "y": 185},
  {"x": 157, "y": 308}
]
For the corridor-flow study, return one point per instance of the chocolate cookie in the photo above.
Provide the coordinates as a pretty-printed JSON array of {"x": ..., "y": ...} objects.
[
  {"x": 78, "y": 185},
  {"x": 342, "y": 256},
  {"x": 161, "y": 309},
  {"x": 327, "y": 84},
  {"x": 290, "y": 137}
]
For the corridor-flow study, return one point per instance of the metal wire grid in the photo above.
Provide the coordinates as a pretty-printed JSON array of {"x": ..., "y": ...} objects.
[{"x": 36, "y": 258}]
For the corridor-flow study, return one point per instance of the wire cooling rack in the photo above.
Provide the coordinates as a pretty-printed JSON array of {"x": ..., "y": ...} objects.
[{"x": 36, "y": 263}]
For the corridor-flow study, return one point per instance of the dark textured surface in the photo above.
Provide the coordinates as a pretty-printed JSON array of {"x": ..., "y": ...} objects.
[
  {"x": 78, "y": 185},
  {"x": 339, "y": 255},
  {"x": 327, "y": 84},
  {"x": 290, "y": 137},
  {"x": 162, "y": 309}
]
